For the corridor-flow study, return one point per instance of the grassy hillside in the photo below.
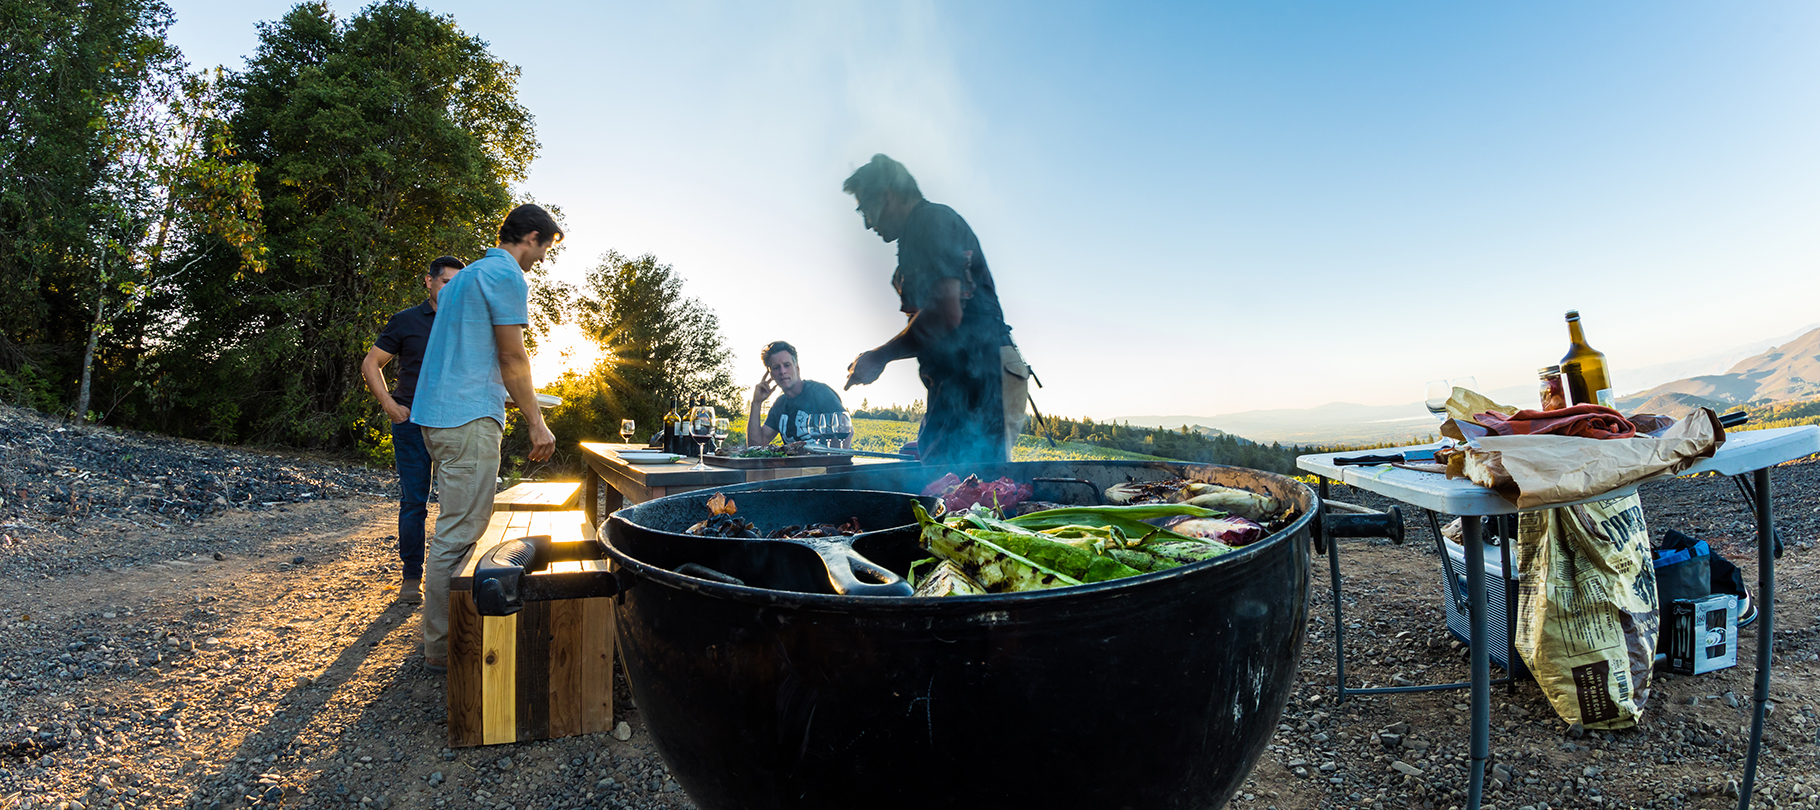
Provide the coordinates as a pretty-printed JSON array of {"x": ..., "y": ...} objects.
[{"x": 888, "y": 436}]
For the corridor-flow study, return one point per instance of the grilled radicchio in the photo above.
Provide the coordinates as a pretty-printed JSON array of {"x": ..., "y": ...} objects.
[
  {"x": 1233, "y": 531},
  {"x": 957, "y": 494}
]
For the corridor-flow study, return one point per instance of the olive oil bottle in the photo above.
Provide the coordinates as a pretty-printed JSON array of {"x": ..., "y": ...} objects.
[{"x": 1588, "y": 382}]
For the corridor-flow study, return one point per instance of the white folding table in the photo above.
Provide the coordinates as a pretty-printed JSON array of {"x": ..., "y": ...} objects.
[{"x": 1752, "y": 451}]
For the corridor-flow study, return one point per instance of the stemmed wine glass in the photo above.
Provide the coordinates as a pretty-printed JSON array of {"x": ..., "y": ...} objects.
[
  {"x": 843, "y": 429},
  {"x": 722, "y": 427},
  {"x": 821, "y": 429},
  {"x": 702, "y": 428},
  {"x": 627, "y": 427},
  {"x": 1435, "y": 398}
]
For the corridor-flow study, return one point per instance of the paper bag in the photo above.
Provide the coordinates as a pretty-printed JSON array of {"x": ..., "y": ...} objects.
[
  {"x": 1586, "y": 609},
  {"x": 1540, "y": 470}
]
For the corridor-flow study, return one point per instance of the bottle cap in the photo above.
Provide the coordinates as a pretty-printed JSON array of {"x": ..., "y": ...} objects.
[
  {"x": 1546, "y": 372},
  {"x": 1573, "y": 314}
]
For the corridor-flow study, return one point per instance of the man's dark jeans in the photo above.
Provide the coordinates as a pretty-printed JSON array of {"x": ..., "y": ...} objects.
[{"x": 413, "y": 461}]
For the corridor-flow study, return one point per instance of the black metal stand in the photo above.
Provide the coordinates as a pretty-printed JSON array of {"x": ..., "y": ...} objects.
[
  {"x": 1769, "y": 547},
  {"x": 1471, "y": 608}
]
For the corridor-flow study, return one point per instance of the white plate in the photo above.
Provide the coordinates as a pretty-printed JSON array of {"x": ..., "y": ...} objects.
[
  {"x": 647, "y": 458},
  {"x": 544, "y": 401}
]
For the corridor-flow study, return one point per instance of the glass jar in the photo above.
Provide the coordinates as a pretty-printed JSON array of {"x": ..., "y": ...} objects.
[{"x": 1553, "y": 389}]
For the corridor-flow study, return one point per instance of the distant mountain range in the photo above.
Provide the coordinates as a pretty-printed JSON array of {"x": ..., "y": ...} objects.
[
  {"x": 1780, "y": 371},
  {"x": 1789, "y": 371}
]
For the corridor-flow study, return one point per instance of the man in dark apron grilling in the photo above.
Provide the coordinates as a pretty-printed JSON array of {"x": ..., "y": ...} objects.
[{"x": 956, "y": 330}]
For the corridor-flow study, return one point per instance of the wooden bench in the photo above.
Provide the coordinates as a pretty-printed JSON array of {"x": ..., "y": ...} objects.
[
  {"x": 549, "y": 496},
  {"x": 543, "y": 672}
]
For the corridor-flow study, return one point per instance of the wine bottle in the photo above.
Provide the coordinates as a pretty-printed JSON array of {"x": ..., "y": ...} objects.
[
  {"x": 1588, "y": 382},
  {"x": 670, "y": 420}
]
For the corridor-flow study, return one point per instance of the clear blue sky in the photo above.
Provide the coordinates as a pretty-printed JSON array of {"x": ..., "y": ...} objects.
[{"x": 1191, "y": 208}]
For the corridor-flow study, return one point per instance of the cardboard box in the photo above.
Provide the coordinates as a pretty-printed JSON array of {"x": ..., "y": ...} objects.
[{"x": 1702, "y": 634}]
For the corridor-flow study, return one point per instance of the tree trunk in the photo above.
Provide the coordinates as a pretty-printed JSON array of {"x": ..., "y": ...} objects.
[
  {"x": 88, "y": 363},
  {"x": 88, "y": 354}
]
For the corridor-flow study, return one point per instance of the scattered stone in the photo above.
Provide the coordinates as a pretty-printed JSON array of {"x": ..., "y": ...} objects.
[
  {"x": 1405, "y": 768},
  {"x": 297, "y": 560},
  {"x": 1731, "y": 699},
  {"x": 622, "y": 732},
  {"x": 1576, "y": 731},
  {"x": 219, "y": 557}
]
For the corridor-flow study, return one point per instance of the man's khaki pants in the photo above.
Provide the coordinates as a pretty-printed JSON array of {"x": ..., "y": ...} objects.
[
  {"x": 1017, "y": 390},
  {"x": 467, "y": 473}
]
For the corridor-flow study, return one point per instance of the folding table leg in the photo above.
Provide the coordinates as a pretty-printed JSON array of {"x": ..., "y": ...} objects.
[
  {"x": 1472, "y": 538},
  {"x": 1339, "y": 620},
  {"x": 1766, "y": 616}
]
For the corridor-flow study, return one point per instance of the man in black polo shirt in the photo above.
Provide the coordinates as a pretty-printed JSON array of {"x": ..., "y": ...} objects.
[
  {"x": 404, "y": 337},
  {"x": 956, "y": 330}
]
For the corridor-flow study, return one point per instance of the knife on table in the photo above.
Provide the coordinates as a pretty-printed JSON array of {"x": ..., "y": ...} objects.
[{"x": 1402, "y": 457}]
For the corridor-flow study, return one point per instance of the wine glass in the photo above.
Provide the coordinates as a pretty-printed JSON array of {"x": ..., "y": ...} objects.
[
  {"x": 1467, "y": 383},
  {"x": 627, "y": 427},
  {"x": 821, "y": 429},
  {"x": 843, "y": 429},
  {"x": 703, "y": 426},
  {"x": 722, "y": 427},
  {"x": 1435, "y": 398}
]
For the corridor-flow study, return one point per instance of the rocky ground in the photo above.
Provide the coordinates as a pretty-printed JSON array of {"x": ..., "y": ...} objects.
[{"x": 187, "y": 625}]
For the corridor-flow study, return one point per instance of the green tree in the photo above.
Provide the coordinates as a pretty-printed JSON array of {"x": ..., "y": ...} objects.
[
  {"x": 655, "y": 343},
  {"x": 70, "y": 72},
  {"x": 381, "y": 142},
  {"x": 171, "y": 177}
]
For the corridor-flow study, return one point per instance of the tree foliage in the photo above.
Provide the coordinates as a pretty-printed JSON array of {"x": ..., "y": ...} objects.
[
  {"x": 381, "y": 142},
  {"x": 72, "y": 74},
  {"x": 656, "y": 343}
]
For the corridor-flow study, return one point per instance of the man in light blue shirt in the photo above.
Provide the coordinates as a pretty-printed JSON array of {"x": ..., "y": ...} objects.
[{"x": 474, "y": 358}]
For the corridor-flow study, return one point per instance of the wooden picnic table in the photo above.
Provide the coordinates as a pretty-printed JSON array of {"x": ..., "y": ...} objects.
[{"x": 637, "y": 483}]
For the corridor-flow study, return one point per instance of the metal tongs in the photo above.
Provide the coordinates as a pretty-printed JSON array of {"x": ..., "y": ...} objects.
[{"x": 834, "y": 451}]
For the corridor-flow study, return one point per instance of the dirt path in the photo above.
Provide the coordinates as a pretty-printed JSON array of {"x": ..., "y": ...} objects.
[{"x": 203, "y": 656}]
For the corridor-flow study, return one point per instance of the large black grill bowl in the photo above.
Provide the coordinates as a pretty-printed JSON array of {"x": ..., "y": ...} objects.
[{"x": 1157, "y": 691}]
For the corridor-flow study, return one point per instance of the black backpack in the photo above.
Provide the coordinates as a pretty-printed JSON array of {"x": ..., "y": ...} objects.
[{"x": 1689, "y": 569}]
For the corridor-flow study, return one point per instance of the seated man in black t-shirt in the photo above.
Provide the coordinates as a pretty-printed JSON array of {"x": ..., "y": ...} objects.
[{"x": 795, "y": 411}]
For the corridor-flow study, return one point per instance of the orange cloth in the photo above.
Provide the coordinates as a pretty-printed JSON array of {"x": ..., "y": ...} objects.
[{"x": 1585, "y": 421}]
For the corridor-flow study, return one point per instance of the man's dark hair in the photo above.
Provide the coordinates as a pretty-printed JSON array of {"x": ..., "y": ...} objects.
[
  {"x": 438, "y": 263},
  {"x": 774, "y": 347},
  {"x": 524, "y": 220},
  {"x": 880, "y": 175}
]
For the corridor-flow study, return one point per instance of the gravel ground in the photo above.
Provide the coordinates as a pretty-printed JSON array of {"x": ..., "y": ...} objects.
[{"x": 252, "y": 653}]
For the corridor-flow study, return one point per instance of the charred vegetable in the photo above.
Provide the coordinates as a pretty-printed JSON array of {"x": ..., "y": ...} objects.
[
  {"x": 947, "y": 579},
  {"x": 995, "y": 568},
  {"x": 1241, "y": 502},
  {"x": 1061, "y": 547},
  {"x": 1233, "y": 531}
]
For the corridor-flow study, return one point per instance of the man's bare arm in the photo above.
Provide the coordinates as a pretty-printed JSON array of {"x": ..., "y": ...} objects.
[
  {"x": 369, "y": 369},
  {"x": 515, "y": 372},
  {"x": 922, "y": 327}
]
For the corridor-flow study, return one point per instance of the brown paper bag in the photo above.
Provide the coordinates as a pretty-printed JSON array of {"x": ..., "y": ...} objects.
[
  {"x": 1540, "y": 470},
  {"x": 1586, "y": 609}
]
